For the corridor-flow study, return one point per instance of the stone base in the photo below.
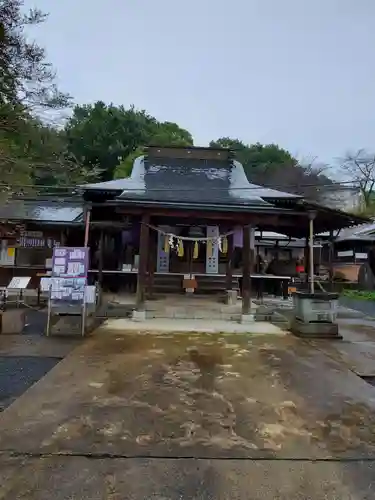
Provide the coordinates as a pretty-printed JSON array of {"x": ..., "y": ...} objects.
[
  {"x": 247, "y": 318},
  {"x": 315, "y": 330},
  {"x": 231, "y": 297},
  {"x": 139, "y": 315},
  {"x": 12, "y": 321}
]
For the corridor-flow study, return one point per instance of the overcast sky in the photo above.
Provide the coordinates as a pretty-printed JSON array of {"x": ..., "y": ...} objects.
[{"x": 300, "y": 73}]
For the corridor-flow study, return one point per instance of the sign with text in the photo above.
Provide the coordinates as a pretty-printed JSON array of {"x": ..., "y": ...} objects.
[{"x": 70, "y": 266}]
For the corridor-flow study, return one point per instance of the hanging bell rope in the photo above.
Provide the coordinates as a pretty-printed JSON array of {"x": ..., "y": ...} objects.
[
  {"x": 225, "y": 245},
  {"x": 209, "y": 248},
  {"x": 180, "y": 248},
  {"x": 166, "y": 244},
  {"x": 196, "y": 250}
]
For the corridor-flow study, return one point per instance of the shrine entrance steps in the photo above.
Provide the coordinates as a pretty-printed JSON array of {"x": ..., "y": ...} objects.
[{"x": 195, "y": 307}]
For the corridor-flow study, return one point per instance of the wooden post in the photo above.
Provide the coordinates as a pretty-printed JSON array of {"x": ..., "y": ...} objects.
[
  {"x": 87, "y": 227},
  {"x": 277, "y": 250},
  {"x": 100, "y": 263},
  {"x": 246, "y": 271},
  {"x": 229, "y": 275},
  {"x": 306, "y": 260},
  {"x": 143, "y": 258},
  {"x": 330, "y": 260},
  {"x": 152, "y": 264},
  {"x": 63, "y": 237},
  {"x": 311, "y": 248}
]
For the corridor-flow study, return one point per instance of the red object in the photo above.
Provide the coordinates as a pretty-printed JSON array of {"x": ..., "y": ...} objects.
[{"x": 300, "y": 269}]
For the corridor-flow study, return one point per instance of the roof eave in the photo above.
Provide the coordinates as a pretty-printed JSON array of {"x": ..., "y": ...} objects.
[{"x": 201, "y": 206}]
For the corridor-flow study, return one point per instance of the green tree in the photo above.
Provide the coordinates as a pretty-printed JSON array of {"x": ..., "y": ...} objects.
[
  {"x": 170, "y": 134},
  {"x": 257, "y": 159},
  {"x": 111, "y": 137},
  {"x": 102, "y": 135},
  {"x": 27, "y": 85},
  {"x": 272, "y": 166},
  {"x": 26, "y": 76},
  {"x": 52, "y": 164},
  {"x": 162, "y": 134}
]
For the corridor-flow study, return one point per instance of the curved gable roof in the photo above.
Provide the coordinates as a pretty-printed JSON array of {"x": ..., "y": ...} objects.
[{"x": 190, "y": 181}]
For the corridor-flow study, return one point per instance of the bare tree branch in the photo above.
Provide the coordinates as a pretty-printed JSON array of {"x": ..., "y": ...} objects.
[{"x": 360, "y": 168}]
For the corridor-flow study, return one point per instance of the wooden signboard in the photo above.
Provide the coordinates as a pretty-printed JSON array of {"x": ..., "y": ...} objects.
[{"x": 190, "y": 283}]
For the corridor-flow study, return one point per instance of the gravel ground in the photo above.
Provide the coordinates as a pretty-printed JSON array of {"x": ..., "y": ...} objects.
[
  {"x": 35, "y": 322},
  {"x": 17, "y": 374}
]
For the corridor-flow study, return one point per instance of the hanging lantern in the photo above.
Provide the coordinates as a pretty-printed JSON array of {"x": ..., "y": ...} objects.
[
  {"x": 196, "y": 250},
  {"x": 166, "y": 243},
  {"x": 180, "y": 248},
  {"x": 225, "y": 245}
]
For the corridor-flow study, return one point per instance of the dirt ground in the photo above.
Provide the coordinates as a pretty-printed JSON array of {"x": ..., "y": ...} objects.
[{"x": 170, "y": 416}]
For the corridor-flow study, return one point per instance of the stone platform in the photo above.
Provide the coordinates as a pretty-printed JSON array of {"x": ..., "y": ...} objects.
[
  {"x": 176, "y": 306},
  {"x": 194, "y": 307},
  {"x": 175, "y": 325},
  {"x": 315, "y": 330}
]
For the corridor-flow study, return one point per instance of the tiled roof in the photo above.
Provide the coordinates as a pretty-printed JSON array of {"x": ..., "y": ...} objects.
[
  {"x": 362, "y": 232},
  {"x": 42, "y": 211},
  {"x": 365, "y": 232},
  {"x": 190, "y": 181}
]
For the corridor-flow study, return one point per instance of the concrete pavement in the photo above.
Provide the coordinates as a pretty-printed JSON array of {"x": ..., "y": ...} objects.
[
  {"x": 170, "y": 416},
  {"x": 79, "y": 478}
]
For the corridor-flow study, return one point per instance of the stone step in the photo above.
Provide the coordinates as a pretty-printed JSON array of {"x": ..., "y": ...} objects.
[{"x": 191, "y": 314}]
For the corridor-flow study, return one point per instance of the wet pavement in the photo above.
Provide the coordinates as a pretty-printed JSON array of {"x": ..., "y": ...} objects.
[
  {"x": 79, "y": 478},
  {"x": 195, "y": 396},
  {"x": 17, "y": 374},
  {"x": 24, "y": 359},
  {"x": 196, "y": 416}
]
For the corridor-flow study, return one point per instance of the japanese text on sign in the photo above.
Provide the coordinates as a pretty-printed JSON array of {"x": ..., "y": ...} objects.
[{"x": 70, "y": 265}]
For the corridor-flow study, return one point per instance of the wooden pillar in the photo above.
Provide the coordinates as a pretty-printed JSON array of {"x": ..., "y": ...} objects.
[
  {"x": 229, "y": 275},
  {"x": 87, "y": 227},
  {"x": 143, "y": 259},
  {"x": 63, "y": 237},
  {"x": 311, "y": 253},
  {"x": 330, "y": 259},
  {"x": 277, "y": 250},
  {"x": 306, "y": 260},
  {"x": 101, "y": 252},
  {"x": 246, "y": 271},
  {"x": 152, "y": 256}
]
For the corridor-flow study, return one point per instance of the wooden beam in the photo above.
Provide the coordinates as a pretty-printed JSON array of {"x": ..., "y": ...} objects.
[
  {"x": 255, "y": 219},
  {"x": 143, "y": 259}
]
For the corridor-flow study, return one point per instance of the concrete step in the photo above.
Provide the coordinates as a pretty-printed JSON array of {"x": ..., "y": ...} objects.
[{"x": 193, "y": 314}]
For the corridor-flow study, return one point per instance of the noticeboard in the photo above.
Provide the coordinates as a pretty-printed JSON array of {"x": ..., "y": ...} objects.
[{"x": 70, "y": 266}]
